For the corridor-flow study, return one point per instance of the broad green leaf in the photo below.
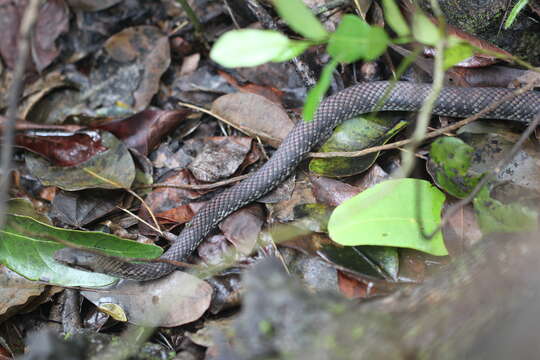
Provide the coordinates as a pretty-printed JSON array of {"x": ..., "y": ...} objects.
[
  {"x": 356, "y": 134},
  {"x": 27, "y": 247},
  {"x": 298, "y": 16},
  {"x": 386, "y": 215},
  {"x": 456, "y": 53},
  {"x": 394, "y": 19},
  {"x": 249, "y": 47},
  {"x": 494, "y": 216},
  {"x": 315, "y": 95},
  {"x": 354, "y": 39},
  {"x": 424, "y": 30},
  {"x": 295, "y": 48},
  {"x": 514, "y": 13},
  {"x": 450, "y": 160}
]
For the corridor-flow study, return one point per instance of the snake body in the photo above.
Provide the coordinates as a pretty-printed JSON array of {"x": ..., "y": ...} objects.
[{"x": 353, "y": 101}]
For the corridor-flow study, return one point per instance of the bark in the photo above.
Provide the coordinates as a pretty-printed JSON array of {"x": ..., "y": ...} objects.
[{"x": 483, "y": 304}]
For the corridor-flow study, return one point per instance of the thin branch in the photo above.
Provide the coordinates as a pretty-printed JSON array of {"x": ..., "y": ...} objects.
[{"x": 23, "y": 50}]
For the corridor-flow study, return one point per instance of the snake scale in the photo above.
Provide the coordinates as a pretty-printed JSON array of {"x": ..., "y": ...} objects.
[{"x": 353, "y": 101}]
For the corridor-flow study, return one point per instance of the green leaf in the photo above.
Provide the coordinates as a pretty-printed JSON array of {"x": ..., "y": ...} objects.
[
  {"x": 394, "y": 19},
  {"x": 386, "y": 215},
  {"x": 514, "y": 13},
  {"x": 424, "y": 30},
  {"x": 494, "y": 216},
  {"x": 315, "y": 95},
  {"x": 450, "y": 160},
  {"x": 27, "y": 247},
  {"x": 295, "y": 48},
  {"x": 356, "y": 134},
  {"x": 249, "y": 47},
  {"x": 298, "y": 16},
  {"x": 456, "y": 53},
  {"x": 354, "y": 39}
]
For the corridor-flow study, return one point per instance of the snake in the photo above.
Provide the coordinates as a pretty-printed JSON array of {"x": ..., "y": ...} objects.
[{"x": 353, "y": 101}]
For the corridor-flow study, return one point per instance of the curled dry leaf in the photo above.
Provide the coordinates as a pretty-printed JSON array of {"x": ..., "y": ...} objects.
[
  {"x": 173, "y": 300},
  {"x": 254, "y": 115},
  {"x": 144, "y": 130}
]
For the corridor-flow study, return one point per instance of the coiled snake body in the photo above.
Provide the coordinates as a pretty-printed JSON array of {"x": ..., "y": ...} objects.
[{"x": 353, "y": 101}]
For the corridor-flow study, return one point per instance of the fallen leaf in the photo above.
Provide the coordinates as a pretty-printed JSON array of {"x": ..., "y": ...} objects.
[{"x": 176, "y": 299}]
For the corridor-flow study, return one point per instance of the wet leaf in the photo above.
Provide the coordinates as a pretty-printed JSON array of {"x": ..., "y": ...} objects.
[
  {"x": 173, "y": 300},
  {"x": 356, "y": 134},
  {"x": 27, "y": 247},
  {"x": 114, "y": 164},
  {"x": 62, "y": 148},
  {"x": 386, "y": 214}
]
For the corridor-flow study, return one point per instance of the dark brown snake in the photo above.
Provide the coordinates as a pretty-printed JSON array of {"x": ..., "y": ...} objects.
[{"x": 353, "y": 101}]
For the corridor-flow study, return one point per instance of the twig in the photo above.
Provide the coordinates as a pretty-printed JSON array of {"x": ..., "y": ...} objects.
[
  {"x": 196, "y": 186},
  {"x": 199, "y": 31},
  {"x": 23, "y": 49}
]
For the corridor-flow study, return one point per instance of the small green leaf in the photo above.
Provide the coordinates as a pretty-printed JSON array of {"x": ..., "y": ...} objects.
[
  {"x": 494, "y": 216},
  {"x": 315, "y": 95},
  {"x": 27, "y": 247},
  {"x": 450, "y": 160},
  {"x": 395, "y": 20},
  {"x": 456, "y": 53},
  {"x": 386, "y": 215},
  {"x": 424, "y": 30},
  {"x": 514, "y": 13},
  {"x": 298, "y": 16},
  {"x": 356, "y": 134},
  {"x": 249, "y": 47},
  {"x": 354, "y": 39},
  {"x": 295, "y": 48}
]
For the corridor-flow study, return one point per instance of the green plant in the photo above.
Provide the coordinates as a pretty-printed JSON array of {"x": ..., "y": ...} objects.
[
  {"x": 353, "y": 40},
  {"x": 514, "y": 13}
]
